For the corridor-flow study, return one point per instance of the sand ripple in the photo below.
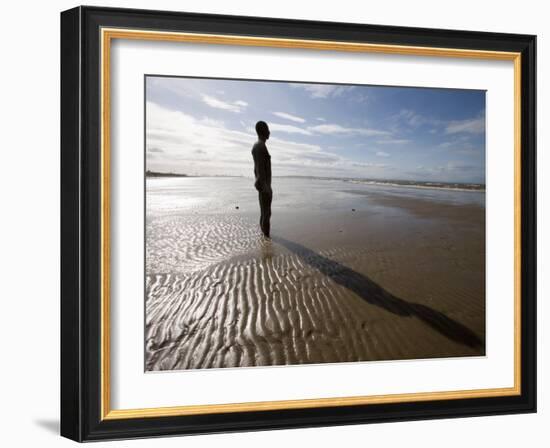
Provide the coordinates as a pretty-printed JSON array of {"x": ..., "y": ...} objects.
[
  {"x": 299, "y": 307},
  {"x": 190, "y": 243}
]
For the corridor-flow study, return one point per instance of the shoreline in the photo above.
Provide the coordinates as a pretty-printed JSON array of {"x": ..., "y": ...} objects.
[{"x": 380, "y": 183}]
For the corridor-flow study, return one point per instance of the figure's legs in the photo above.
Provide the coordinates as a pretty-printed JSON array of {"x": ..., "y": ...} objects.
[
  {"x": 267, "y": 214},
  {"x": 261, "y": 209},
  {"x": 265, "y": 208}
]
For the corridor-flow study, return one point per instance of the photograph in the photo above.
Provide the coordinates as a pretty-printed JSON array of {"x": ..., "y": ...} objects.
[
  {"x": 292, "y": 223},
  {"x": 273, "y": 223}
]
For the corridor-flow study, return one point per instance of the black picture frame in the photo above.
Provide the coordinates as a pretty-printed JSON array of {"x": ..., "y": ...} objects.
[{"x": 81, "y": 414}]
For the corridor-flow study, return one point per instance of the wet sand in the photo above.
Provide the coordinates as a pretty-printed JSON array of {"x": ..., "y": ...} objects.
[{"x": 352, "y": 273}]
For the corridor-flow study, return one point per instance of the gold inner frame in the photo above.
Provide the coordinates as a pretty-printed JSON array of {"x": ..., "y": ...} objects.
[{"x": 107, "y": 35}]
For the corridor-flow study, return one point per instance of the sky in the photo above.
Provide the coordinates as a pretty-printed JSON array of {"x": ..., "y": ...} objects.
[{"x": 206, "y": 127}]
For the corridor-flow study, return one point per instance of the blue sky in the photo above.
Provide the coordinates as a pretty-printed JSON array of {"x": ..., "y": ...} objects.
[{"x": 206, "y": 127}]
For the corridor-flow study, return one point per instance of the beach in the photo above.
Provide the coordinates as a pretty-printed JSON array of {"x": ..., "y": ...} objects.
[{"x": 354, "y": 271}]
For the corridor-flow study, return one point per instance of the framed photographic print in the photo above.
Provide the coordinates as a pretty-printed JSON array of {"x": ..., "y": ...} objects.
[{"x": 272, "y": 223}]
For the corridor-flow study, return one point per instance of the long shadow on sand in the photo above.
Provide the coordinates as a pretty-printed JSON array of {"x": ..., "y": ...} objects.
[{"x": 374, "y": 294}]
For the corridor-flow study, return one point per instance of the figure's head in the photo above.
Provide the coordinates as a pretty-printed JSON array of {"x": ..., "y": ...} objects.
[{"x": 262, "y": 130}]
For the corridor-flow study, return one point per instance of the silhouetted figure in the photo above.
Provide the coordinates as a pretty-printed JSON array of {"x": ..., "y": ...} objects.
[{"x": 262, "y": 173}]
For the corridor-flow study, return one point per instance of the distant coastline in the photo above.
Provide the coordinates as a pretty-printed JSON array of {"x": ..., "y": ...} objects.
[
  {"x": 462, "y": 186},
  {"x": 422, "y": 184},
  {"x": 149, "y": 173},
  {"x": 159, "y": 174}
]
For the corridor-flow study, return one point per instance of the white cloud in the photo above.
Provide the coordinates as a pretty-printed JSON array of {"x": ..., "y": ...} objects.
[
  {"x": 288, "y": 128},
  {"x": 336, "y": 129},
  {"x": 450, "y": 168},
  {"x": 395, "y": 141},
  {"x": 461, "y": 145},
  {"x": 369, "y": 165},
  {"x": 290, "y": 117},
  {"x": 382, "y": 154},
  {"x": 459, "y": 166},
  {"x": 323, "y": 90},
  {"x": 413, "y": 119},
  {"x": 236, "y": 106},
  {"x": 472, "y": 126},
  {"x": 190, "y": 143},
  {"x": 175, "y": 86},
  {"x": 321, "y": 119}
]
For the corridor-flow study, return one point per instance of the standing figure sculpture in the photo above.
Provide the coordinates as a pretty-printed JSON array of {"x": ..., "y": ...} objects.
[{"x": 262, "y": 174}]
